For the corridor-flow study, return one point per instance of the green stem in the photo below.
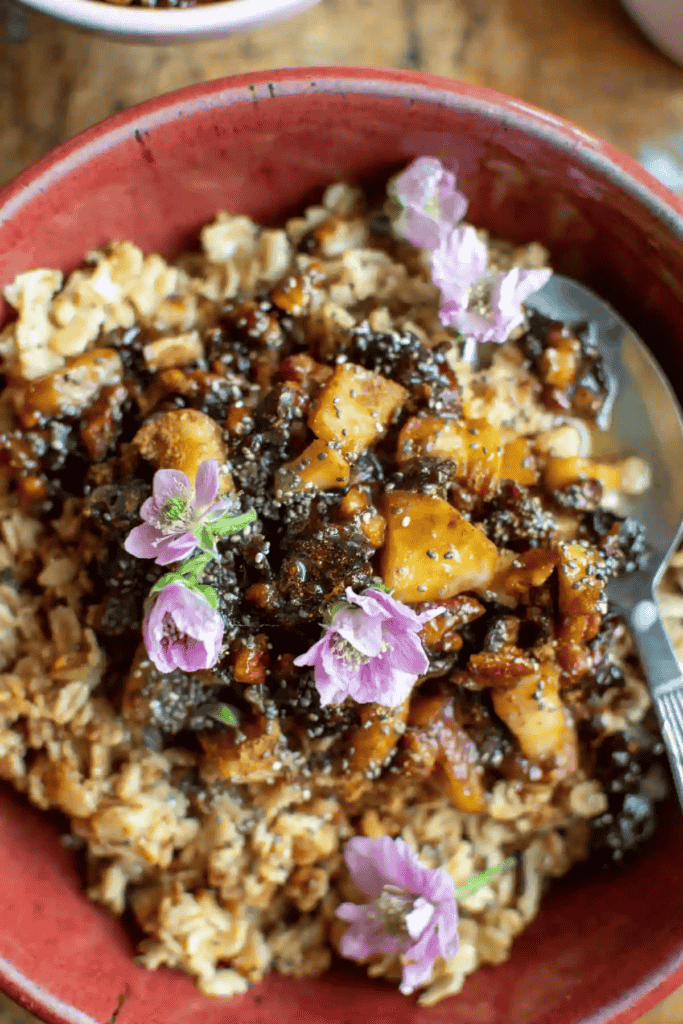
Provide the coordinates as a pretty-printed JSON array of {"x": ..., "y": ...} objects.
[{"x": 471, "y": 885}]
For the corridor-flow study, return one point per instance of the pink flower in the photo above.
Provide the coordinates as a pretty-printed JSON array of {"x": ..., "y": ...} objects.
[
  {"x": 431, "y": 203},
  {"x": 371, "y": 650},
  {"x": 182, "y": 630},
  {"x": 412, "y": 910},
  {"x": 509, "y": 292},
  {"x": 458, "y": 264},
  {"x": 486, "y": 307},
  {"x": 174, "y": 512}
]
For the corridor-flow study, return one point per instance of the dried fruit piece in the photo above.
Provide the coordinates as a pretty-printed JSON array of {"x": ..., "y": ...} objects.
[
  {"x": 250, "y": 659},
  {"x": 579, "y": 588},
  {"x": 441, "y": 633},
  {"x": 431, "y": 551},
  {"x": 371, "y": 524},
  {"x": 529, "y": 569},
  {"x": 101, "y": 422},
  {"x": 559, "y": 364}
]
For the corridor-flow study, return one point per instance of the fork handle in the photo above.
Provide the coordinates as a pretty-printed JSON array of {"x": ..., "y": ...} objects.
[{"x": 663, "y": 672}]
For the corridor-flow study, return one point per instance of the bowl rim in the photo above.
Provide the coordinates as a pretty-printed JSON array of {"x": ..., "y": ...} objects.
[
  {"x": 391, "y": 83},
  {"x": 156, "y": 23}
]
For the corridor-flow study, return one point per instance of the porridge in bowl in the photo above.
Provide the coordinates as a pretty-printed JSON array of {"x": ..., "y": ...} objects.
[{"x": 304, "y": 553}]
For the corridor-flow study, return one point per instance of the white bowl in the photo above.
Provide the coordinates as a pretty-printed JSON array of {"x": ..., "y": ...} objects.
[
  {"x": 170, "y": 25},
  {"x": 662, "y": 22}
]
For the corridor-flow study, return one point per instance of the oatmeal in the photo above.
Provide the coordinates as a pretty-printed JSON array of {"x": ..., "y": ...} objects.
[{"x": 367, "y": 616}]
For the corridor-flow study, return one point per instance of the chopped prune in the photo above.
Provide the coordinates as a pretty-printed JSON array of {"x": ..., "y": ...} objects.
[
  {"x": 400, "y": 356},
  {"x": 584, "y": 495},
  {"x": 623, "y": 766},
  {"x": 587, "y": 388},
  {"x": 427, "y": 475},
  {"x": 621, "y": 539},
  {"x": 173, "y": 701},
  {"x": 517, "y": 520},
  {"x": 318, "y": 563}
]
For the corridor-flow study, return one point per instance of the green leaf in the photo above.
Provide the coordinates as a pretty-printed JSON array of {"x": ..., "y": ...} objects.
[
  {"x": 197, "y": 564},
  {"x": 170, "y": 577},
  {"x": 209, "y": 594},
  {"x": 221, "y": 712},
  {"x": 204, "y": 535},
  {"x": 470, "y": 885},
  {"x": 226, "y": 714},
  {"x": 232, "y": 524}
]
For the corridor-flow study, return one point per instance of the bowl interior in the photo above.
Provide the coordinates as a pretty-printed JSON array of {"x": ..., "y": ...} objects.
[{"x": 603, "y": 948}]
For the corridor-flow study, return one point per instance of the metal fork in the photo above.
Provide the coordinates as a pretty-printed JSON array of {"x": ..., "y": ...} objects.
[{"x": 641, "y": 417}]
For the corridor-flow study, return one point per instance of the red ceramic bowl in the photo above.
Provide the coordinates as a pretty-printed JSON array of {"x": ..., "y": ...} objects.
[{"x": 603, "y": 949}]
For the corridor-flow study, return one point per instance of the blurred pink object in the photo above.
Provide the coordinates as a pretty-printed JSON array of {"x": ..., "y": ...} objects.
[
  {"x": 170, "y": 24},
  {"x": 662, "y": 23}
]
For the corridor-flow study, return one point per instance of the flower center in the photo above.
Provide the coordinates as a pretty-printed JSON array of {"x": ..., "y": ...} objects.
[
  {"x": 433, "y": 206},
  {"x": 402, "y": 913},
  {"x": 479, "y": 300},
  {"x": 174, "y": 509},
  {"x": 173, "y": 637},
  {"x": 344, "y": 649}
]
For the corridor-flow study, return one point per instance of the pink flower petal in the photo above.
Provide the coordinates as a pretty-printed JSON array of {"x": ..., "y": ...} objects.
[
  {"x": 206, "y": 483},
  {"x": 458, "y": 264},
  {"x": 150, "y": 510},
  {"x": 175, "y": 548},
  {"x": 418, "y": 962},
  {"x": 361, "y": 631},
  {"x": 370, "y": 862},
  {"x": 364, "y": 938},
  {"x": 313, "y": 654},
  {"x": 385, "y": 633},
  {"x": 142, "y": 541},
  {"x": 169, "y": 483},
  {"x": 509, "y": 292}
]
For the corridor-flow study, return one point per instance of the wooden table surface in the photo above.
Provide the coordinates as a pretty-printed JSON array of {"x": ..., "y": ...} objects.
[{"x": 582, "y": 59}]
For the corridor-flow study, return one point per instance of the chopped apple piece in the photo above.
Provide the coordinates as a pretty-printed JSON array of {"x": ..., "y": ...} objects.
[
  {"x": 474, "y": 445},
  {"x": 431, "y": 551},
  {"x": 69, "y": 390},
  {"x": 560, "y": 472},
  {"x": 249, "y": 760},
  {"x": 437, "y": 745},
  {"x": 533, "y": 711},
  {"x": 373, "y": 741},
  {"x": 320, "y": 467},
  {"x": 355, "y": 407},
  {"x": 518, "y": 463}
]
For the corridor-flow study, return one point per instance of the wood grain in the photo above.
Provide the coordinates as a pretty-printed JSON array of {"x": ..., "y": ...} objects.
[{"x": 582, "y": 59}]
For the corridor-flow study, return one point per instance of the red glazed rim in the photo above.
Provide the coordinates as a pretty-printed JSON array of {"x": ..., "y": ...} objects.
[{"x": 584, "y": 148}]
